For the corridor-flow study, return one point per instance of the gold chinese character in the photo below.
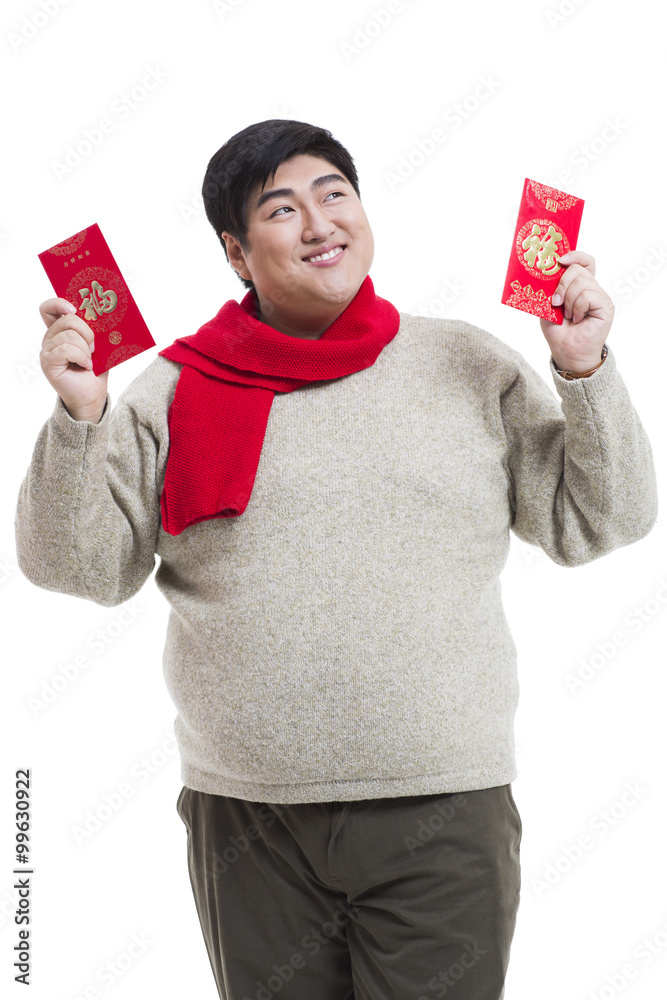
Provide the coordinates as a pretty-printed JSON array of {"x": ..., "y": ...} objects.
[
  {"x": 97, "y": 301},
  {"x": 544, "y": 248}
]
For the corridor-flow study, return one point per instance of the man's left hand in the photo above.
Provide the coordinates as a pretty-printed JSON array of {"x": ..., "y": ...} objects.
[{"x": 577, "y": 344}]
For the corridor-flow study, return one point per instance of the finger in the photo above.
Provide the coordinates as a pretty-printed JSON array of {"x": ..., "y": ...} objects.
[
  {"x": 67, "y": 337},
  {"x": 63, "y": 355},
  {"x": 583, "y": 284},
  {"x": 575, "y": 273},
  {"x": 591, "y": 302},
  {"x": 53, "y": 309},
  {"x": 580, "y": 285},
  {"x": 578, "y": 257},
  {"x": 71, "y": 322}
]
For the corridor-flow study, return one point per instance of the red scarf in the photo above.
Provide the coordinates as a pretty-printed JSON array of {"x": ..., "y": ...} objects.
[{"x": 232, "y": 368}]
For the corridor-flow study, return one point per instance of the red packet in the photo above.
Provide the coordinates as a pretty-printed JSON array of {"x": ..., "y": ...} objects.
[
  {"x": 83, "y": 271},
  {"x": 547, "y": 227}
]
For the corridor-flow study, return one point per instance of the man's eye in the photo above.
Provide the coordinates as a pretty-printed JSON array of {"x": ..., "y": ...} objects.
[{"x": 288, "y": 209}]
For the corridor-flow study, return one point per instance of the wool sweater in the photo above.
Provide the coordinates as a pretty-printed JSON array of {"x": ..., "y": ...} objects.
[{"x": 344, "y": 638}]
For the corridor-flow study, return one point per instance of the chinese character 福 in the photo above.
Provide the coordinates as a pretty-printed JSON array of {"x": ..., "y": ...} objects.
[
  {"x": 96, "y": 301},
  {"x": 544, "y": 248}
]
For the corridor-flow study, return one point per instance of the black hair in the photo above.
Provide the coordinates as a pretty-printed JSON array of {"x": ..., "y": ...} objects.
[{"x": 253, "y": 155}]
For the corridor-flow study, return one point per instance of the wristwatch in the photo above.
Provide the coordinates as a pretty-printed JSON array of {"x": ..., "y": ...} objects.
[{"x": 570, "y": 376}]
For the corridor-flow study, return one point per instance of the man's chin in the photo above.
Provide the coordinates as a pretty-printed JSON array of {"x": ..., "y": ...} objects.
[{"x": 335, "y": 289}]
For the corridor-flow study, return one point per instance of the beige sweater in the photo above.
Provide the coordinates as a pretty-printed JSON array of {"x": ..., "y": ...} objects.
[{"x": 344, "y": 638}]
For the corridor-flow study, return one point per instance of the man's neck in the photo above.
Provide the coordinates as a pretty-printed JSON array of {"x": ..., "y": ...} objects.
[{"x": 319, "y": 324}]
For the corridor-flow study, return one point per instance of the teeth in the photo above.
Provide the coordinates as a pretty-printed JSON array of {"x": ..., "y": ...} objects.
[{"x": 327, "y": 256}]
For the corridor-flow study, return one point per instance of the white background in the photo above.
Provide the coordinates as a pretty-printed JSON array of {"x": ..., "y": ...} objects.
[{"x": 558, "y": 81}]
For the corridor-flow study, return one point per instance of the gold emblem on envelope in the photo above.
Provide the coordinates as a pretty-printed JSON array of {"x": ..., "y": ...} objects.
[
  {"x": 538, "y": 244},
  {"x": 525, "y": 297},
  {"x": 96, "y": 300},
  {"x": 552, "y": 198},
  {"x": 102, "y": 297},
  {"x": 69, "y": 246}
]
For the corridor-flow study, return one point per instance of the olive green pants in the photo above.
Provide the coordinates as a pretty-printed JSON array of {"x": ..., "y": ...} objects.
[{"x": 408, "y": 898}]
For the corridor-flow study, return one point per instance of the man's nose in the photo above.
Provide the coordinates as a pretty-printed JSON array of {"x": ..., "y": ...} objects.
[{"x": 317, "y": 224}]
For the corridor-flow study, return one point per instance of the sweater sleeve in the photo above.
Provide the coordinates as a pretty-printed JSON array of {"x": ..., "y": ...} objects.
[
  {"x": 582, "y": 480},
  {"x": 88, "y": 512}
]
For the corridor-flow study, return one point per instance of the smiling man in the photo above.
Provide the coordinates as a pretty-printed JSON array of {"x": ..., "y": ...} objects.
[
  {"x": 330, "y": 486},
  {"x": 308, "y": 246}
]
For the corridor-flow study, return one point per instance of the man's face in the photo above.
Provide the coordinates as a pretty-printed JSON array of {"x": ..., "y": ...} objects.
[{"x": 308, "y": 206}]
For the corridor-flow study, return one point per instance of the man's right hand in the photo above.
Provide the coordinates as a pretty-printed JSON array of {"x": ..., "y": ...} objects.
[{"x": 66, "y": 361}]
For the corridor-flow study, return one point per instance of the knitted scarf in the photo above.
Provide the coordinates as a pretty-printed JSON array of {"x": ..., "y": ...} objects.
[{"x": 232, "y": 368}]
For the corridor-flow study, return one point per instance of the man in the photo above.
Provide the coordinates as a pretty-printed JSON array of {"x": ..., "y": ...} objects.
[{"x": 330, "y": 487}]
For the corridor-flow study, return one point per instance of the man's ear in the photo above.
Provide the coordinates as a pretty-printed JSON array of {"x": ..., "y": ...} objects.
[{"x": 236, "y": 255}]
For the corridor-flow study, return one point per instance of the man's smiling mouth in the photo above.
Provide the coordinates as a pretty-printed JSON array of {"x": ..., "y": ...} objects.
[{"x": 335, "y": 252}]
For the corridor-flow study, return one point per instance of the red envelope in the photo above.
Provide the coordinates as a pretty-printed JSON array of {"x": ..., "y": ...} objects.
[
  {"x": 547, "y": 227},
  {"x": 83, "y": 271}
]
